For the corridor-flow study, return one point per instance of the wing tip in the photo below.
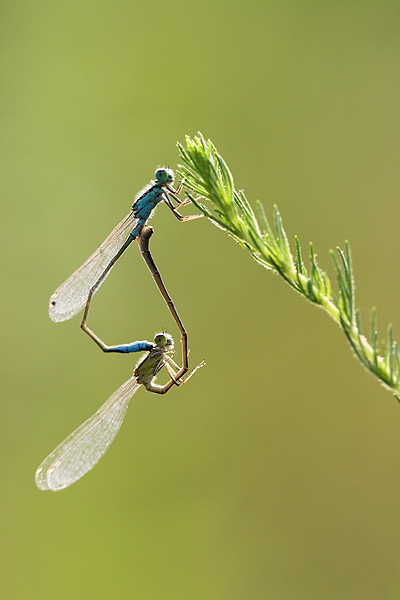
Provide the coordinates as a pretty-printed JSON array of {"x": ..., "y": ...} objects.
[{"x": 41, "y": 479}]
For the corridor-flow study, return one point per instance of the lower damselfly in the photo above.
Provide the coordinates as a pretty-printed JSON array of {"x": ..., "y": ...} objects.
[{"x": 83, "y": 448}]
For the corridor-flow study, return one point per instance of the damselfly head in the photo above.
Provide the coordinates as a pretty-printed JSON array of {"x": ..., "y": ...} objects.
[
  {"x": 164, "y": 175},
  {"x": 164, "y": 339}
]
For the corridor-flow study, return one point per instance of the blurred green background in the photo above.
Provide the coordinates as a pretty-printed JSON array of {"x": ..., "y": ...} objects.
[{"x": 274, "y": 474}]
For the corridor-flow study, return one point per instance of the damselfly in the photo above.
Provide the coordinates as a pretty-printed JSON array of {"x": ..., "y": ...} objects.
[
  {"x": 81, "y": 450},
  {"x": 71, "y": 296}
]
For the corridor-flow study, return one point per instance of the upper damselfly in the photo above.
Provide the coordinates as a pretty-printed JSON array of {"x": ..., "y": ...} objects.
[{"x": 72, "y": 295}]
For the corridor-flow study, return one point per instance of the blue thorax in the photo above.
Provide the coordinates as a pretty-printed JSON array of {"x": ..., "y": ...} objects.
[
  {"x": 147, "y": 201},
  {"x": 144, "y": 204}
]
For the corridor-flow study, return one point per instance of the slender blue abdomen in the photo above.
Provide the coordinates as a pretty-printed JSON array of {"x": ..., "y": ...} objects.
[
  {"x": 132, "y": 347},
  {"x": 138, "y": 228}
]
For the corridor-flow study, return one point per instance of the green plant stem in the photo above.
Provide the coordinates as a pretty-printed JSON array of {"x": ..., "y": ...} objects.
[{"x": 208, "y": 178}]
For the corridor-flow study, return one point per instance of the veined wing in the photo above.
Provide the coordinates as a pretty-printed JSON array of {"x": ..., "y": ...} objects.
[
  {"x": 70, "y": 297},
  {"x": 81, "y": 450}
]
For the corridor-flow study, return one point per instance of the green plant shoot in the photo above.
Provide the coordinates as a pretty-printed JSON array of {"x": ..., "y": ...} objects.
[{"x": 208, "y": 177}]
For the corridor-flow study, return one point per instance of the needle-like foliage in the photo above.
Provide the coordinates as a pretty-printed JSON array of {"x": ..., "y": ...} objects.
[{"x": 207, "y": 177}]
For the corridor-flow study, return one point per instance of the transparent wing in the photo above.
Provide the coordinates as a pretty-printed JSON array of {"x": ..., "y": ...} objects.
[
  {"x": 81, "y": 450},
  {"x": 70, "y": 297}
]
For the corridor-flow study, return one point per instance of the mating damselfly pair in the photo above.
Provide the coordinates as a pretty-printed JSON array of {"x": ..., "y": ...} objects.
[{"x": 83, "y": 448}]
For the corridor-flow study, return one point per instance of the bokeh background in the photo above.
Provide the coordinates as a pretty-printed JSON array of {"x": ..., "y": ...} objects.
[{"x": 274, "y": 474}]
